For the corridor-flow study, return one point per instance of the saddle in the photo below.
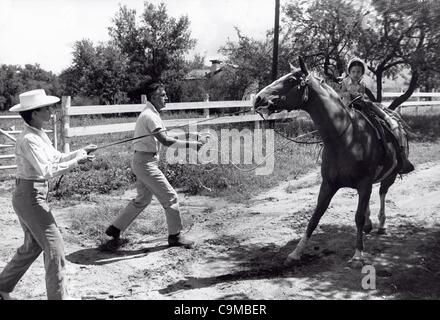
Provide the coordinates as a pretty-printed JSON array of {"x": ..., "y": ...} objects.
[{"x": 379, "y": 125}]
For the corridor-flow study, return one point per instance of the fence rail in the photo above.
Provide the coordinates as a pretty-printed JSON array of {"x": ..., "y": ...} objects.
[
  {"x": 69, "y": 111},
  {"x": 9, "y": 134}
]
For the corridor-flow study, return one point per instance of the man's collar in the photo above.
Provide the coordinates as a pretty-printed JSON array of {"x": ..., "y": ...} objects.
[
  {"x": 33, "y": 128},
  {"x": 150, "y": 106}
]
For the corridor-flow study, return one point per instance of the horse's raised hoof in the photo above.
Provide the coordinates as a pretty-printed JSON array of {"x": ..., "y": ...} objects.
[
  {"x": 382, "y": 231},
  {"x": 356, "y": 263}
]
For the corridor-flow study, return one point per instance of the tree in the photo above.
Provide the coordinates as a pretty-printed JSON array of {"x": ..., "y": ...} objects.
[
  {"x": 15, "y": 79},
  {"x": 97, "y": 71},
  {"x": 401, "y": 34},
  {"x": 252, "y": 61},
  {"x": 324, "y": 31},
  {"x": 155, "y": 46}
]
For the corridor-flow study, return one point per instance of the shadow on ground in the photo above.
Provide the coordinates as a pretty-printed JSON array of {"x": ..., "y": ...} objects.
[
  {"x": 406, "y": 261},
  {"x": 96, "y": 256}
]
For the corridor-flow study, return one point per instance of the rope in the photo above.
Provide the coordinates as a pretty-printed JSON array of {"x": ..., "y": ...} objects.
[
  {"x": 267, "y": 155},
  {"x": 299, "y": 142},
  {"x": 210, "y": 119},
  {"x": 163, "y": 130}
]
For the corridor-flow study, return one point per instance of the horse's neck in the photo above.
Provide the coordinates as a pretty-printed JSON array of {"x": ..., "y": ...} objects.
[{"x": 329, "y": 115}]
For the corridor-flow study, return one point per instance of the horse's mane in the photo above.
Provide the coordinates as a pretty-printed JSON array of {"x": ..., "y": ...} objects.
[{"x": 329, "y": 90}]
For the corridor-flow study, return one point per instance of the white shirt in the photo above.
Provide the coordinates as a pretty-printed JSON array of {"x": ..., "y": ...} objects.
[
  {"x": 351, "y": 89},
  {"x": 148, "y": 121},
  {"x": 37, "y": 159}
]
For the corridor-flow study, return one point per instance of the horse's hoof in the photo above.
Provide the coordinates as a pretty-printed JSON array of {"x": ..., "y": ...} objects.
[
  {"x": 356, "y": 263},
  {"x": 291, "y": 260},
  {"x": 382, "y": 231}
]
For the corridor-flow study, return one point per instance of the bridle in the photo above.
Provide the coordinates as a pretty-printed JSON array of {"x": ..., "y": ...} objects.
[{"x": 303, "y": 85}]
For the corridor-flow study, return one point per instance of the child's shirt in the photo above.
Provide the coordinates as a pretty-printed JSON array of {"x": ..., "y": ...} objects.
[{"x": 351, "y": 89}]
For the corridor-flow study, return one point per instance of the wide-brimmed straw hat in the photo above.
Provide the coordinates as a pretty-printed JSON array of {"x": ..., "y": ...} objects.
[{"x": 34, "y": 99}]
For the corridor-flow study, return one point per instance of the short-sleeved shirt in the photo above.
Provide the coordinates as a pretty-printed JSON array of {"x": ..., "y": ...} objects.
[
  {"x": 148, "y": 121},
  {"x": 36, "y": 157}
]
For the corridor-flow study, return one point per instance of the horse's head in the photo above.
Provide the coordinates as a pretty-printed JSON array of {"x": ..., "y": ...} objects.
[{"x": 287, "y": 93}]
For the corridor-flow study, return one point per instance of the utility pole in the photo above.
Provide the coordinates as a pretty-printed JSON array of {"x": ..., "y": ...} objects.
[{"x": 276, "y": 35}]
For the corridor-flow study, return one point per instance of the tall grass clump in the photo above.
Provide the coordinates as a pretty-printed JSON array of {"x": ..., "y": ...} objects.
[{"x": 103, "y": 175}]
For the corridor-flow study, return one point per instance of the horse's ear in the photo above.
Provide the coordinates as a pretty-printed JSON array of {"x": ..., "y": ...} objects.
[
  {"x": 292, "y": 68},
  {"x": 302, "y": 65}
]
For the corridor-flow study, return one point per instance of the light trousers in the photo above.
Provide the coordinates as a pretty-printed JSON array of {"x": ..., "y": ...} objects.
[
  {"x": 41, "y": 234},
  {"x": 150, "y": 181}
]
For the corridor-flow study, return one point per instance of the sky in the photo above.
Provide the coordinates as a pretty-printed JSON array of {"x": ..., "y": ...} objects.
[{"x": 44, "y": 31}]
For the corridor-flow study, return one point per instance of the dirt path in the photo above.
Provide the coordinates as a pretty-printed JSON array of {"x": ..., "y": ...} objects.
[{"x": 241, "y": 248}]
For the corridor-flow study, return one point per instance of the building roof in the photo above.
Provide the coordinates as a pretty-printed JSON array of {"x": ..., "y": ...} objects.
[{"x": 197, "y": 74}]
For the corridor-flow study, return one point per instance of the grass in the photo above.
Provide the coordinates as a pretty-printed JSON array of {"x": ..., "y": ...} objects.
[{"x": 91, "y": 224}]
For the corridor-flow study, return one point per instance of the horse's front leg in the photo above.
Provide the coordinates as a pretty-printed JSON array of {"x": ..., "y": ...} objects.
[
  {"x": 326, "y": 193},
  {"x": 384, "y": 186},
  {"x": 364, "y": 192},
  {"x": 382, "y": 229}
]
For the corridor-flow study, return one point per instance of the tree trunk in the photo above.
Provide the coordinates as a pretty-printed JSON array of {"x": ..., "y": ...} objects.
[
  {"x": 412, "y": 86},
  {"x": 379, "y": 74}
]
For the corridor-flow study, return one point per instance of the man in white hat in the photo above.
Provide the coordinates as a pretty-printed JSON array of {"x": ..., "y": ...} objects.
[{"x": 37, "y": 161}]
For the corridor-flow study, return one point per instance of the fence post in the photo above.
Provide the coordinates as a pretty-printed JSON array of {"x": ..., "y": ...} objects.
[
  {"x": 252, "y": 100},
  {"x": 55, "y": 131},
  {"x": 206, "y": 110},
  {"x": 65, "y": 105},
  {"x": 144, "y": 99}
]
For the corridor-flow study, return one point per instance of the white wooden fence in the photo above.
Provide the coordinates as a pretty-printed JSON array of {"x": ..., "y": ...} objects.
[
  {"x": 68, "y": 111},
  {"x": 67, "y": 132},
  {"x": 9, "y": 134}
]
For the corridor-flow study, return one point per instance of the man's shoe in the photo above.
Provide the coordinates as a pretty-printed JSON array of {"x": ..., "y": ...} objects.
[
  {"x": 113, "y": 232},
  {"x": 6, "y": 296},
  {"x": 177, "y": 240},
  {"x": 112, "y": 245}
]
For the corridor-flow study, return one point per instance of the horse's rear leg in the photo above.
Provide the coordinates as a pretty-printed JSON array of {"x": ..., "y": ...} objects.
[
  {"x": 326, "y": 193},
  {"x": 364, "y": 192},
  {"x": 384, "y": 186}
]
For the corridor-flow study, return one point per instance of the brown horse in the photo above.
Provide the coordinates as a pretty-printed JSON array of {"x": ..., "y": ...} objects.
[{"x": 353, "y": 156}]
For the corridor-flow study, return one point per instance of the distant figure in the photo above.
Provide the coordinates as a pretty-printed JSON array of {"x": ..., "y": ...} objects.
[
  {"x": 37, "y": 161},
  {"x": 353, "y": 87},
  {"x": 149, "y": 178}
]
